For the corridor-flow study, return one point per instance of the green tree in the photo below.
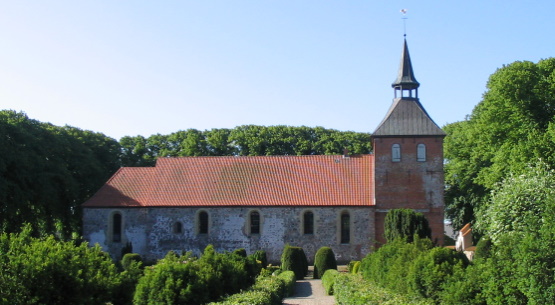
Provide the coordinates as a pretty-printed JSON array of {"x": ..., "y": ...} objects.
[{"x": 510, "y": 128}]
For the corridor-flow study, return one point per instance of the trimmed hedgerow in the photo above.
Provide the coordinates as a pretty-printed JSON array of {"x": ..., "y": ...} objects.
[
  {"x": 294, "y": 259},
  {"x": 266, "y": 291},
  {"x": 352, "y": 289},
  {"x": 328, "y": 280},
  {"x": 324, "y": 260},
  {"x": 290, "y": 280}
]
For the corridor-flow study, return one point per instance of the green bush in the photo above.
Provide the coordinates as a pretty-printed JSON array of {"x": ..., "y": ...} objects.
[
  {"x": 49, "y": 271},
  {"x": 433, "y": 268},
  {"x": 328, "y": 280},
  {"x": 260, "y": 255},
  {"x": 128, "y": 258},
  {"x": 184, "y": 280},
  {"x": 389, "y": 266},
  {"x": 324, "y": 260},
  {"x": 294, "y": 259},
  {"x": 241, "y": 252},
  {"x": 350, "y": 266},
  {"x": 289, "y": 278},
  {"x": 266, "y": 291},
  {"x": 405, "y": 224},
  {"x": 351, "y": 289},
  {"x": 356, "y": 267},
  {"x": 483, "y": 248}
]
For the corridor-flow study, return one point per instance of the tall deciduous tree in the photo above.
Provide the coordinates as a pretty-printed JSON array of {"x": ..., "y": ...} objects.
[{"x": 511, "y": 127}]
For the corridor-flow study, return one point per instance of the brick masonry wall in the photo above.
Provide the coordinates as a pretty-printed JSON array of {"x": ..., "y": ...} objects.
[
  {"x": 150, "y": 230},
  {"x": 409, "y": 183}
]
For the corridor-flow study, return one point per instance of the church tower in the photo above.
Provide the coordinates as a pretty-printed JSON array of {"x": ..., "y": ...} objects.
[{"x": 408, "y": 156}]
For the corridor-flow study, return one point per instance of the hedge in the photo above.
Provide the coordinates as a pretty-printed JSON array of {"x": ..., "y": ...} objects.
[
  {"x": 324, "y": 260},
  {"x": 266, "y": 291},
  {"x": 352, "y": 289},
  {"x": 294, "y": 259},
  {"x": 328, "y": 280}
]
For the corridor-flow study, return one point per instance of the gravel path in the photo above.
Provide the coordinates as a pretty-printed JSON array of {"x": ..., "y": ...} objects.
[{"x": 309, "y": 292}]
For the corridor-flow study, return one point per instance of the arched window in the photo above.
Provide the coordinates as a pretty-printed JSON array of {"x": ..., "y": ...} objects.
[
  {"x": 308, "y": 222},
  {"x": 396, "y": 153},
  {"x": 255, "y": 223},
  {"x": 177, "y": 227},
  {"x": 203, "y": 222},
  {"x": 345, "y": 228},
  {"x": 421, "y": 152},
  {"x": 116, "y": 227}
]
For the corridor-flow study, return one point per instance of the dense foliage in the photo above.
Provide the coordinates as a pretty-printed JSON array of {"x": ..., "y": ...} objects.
[
  {"x": 328, "y": 280},
  {"x": 188, "y": 280},
  {"x": 324, "y": 259},
  {"x": 47, "y": 172},
  {"x": 352, "y": 289},
  {"x": 246, "y": 140},
  {"x": 294, "y": 259},
  {"x": 510, "y": 128},
  {"x": 415, "y": 269},
  {"x": 406, "y": 224},
  {"x": 48, "y": 271}
]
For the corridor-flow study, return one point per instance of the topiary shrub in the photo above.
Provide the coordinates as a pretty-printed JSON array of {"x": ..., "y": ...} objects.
[
  {"x": 128, "y": 258},
  {"x": 241, "y": 252},
  {"x": 324, "y": 260},
  {"x": 294, "y": 259},
  {"x": 405, "y": 224},
  {"x": 289, "y": 278},
  {"x": 260, "y": 255},
  {"x": 328, "y": 280}
]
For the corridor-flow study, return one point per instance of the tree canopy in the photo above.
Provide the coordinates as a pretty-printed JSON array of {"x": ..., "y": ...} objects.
[
  {"x": 246, "y": 140},
  {"x": 46, "y": 172},
  {"x": 511, "y": 127}
]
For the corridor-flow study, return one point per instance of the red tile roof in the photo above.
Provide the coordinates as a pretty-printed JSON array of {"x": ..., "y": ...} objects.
[{"x": 242, "y": 181}]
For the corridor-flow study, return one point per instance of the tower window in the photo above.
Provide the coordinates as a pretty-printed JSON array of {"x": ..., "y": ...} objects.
[
  {"x": 116, "y": 228},
  {"x": 345, "y": 228},
  {"x": 255, "y": 223},
  {"x": 421, "y": 152},
  {"x": 396, "y": 153},
  {"x": 308, "y": 223},
  {"x": 203, "y": 222}
]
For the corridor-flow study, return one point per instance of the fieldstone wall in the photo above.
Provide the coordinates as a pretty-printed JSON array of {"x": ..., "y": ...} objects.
[{"x": 152, "y": 231}]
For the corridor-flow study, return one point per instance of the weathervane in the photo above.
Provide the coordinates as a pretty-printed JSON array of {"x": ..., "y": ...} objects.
[{"x": 404, "y": 12}]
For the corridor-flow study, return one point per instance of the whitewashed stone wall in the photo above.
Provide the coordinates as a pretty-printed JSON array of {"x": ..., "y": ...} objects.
[{"x": 151, "y": 230}]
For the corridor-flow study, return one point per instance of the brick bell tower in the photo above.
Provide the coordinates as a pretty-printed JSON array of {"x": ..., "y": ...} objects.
[{"x": 408, "y": 156}]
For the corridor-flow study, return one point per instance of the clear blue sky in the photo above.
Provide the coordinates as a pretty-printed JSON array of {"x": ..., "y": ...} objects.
[{"x": 147, "y": 67}]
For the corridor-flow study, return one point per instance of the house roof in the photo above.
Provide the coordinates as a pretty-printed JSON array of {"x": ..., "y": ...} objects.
[
  {"x": 242, "y": 181},
  {"x": 407, "y": 117}
]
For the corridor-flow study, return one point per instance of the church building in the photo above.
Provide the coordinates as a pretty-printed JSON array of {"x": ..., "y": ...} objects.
[{"x": 265, "y": 202}]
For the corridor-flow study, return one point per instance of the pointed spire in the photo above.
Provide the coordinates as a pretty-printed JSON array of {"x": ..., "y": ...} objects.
[{"x": 405, "y": 78}]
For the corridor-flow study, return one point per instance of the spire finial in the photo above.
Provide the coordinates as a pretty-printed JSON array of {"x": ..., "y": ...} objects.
[{"x": 404, "y": 12}]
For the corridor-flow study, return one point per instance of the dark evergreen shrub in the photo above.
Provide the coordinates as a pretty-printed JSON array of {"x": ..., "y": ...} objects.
[
  {"x": 241, "y": 252},
  {"x": 260, "y": 255},
  {"x": 483, "y": 248},
  {"x": 324, "y": 260},
  {"x": 128, "y": 258},
  {"x": 405, "y": 224},
  {"x": 432, "y": 269},
  {"x": 294, "y": 259}
]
